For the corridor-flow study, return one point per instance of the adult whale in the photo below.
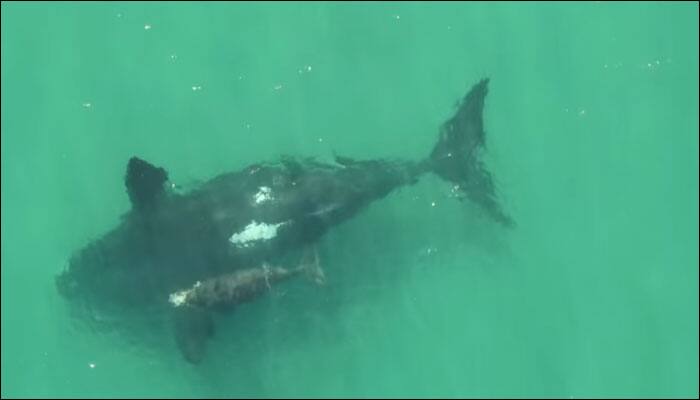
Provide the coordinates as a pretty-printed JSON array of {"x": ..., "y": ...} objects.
[{"x": 168, "y": 241}]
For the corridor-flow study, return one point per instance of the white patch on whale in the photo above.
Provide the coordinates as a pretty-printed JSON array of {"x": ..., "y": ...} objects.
[
  {"x": 255, "y": 231},
  {"x": 179, "y": 298},
  {"x": 264, "y": 194}
]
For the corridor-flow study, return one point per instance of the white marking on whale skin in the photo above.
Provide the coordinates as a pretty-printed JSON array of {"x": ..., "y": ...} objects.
[
  {"x": 255, "y": 231},
  {"x": 179, "y": 298},
  {"x": 264, "y": 194},
  {"x": 324, "y": 210}
]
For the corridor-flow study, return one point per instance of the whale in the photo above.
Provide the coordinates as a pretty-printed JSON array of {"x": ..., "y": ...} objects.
[{"x": 262, "y": 214}]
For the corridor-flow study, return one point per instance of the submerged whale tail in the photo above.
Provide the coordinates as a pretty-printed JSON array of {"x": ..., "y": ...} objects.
[
  {"x": 311, "y": 266},
  {"x": 457, "y": 155}
]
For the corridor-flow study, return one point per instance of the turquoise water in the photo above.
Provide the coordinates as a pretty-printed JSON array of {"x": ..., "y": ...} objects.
[{"x": 592, "y": 124}]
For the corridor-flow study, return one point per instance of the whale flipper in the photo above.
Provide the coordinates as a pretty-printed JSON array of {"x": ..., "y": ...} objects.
[{"x": 193, "y": 327}]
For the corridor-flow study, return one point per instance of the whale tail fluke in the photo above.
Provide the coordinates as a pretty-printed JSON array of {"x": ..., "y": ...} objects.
[
  {"x": 457, "y": 155},
  {"x": 311, "y": 266}
]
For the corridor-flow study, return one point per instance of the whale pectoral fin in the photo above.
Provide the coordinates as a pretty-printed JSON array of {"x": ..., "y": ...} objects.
[
  {"x": 344, "y": 161},
  {"x": 144, "y": 183},
  {"x": 193, "y": 328}
]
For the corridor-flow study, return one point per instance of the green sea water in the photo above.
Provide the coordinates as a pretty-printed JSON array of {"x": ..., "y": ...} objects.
[{"x": 592, "y": 134}]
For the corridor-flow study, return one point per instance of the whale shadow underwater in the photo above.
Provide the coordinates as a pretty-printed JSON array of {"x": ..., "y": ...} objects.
[{"x": 229, "y": 240}]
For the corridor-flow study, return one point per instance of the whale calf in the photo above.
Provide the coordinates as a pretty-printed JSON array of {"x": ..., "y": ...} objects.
[
  {"x": 259, "y": 215},
  {"x": 231, "y": 289}
]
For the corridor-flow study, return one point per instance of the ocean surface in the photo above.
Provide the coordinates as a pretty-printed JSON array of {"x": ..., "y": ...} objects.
[{"x": 592, "y": 136}]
